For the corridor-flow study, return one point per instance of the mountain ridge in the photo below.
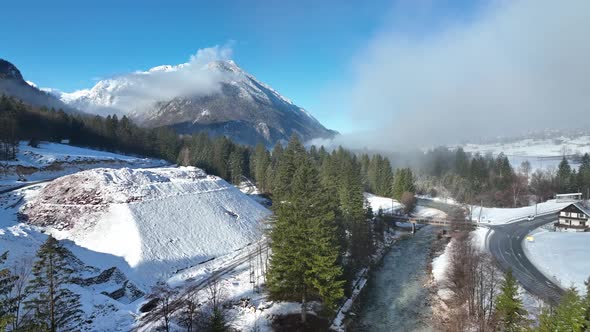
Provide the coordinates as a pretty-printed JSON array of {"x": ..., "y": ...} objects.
[
  {"x": 12, "y": 83},
  {"x": 233, "y": 103}
]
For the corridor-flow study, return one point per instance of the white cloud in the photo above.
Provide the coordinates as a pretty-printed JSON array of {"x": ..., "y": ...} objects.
[
  {"x": 137, "y": 91},
  {"x": 521, "y": 65}
]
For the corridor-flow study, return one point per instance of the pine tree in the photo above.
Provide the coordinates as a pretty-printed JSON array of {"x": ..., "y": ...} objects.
[
  {"x": 330, "y": 182},
  {"x": 564, "y": 172},
  {"x": 385, "y": 178},
  {"x": 55, "y": 307},
  {"x": 7, "y": 302},
  {"x": 547, "y": 320},
  {"x": 261, "y": 162},
  {"x": 236, "y": 166},
  {"x": 218, "y": 323},
  {"x": 570, "y": 313},
  {"x": 288, "y": 163},
  {"x": 509, "y": 307},
  {"x": 587, "y": 306},
  {"x": 352, "y": 210},
  {"x": 403, "y": 182},
  {"x": 304, "y": 248},
  {"x": 461, "y": 162},
  {"x": 584, "y": 175}
]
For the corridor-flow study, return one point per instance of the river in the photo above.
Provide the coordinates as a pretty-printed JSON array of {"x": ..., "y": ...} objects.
[{"x": 396, "y": 298}]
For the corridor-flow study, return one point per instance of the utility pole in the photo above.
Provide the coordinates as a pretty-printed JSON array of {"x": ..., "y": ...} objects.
[
  {"x": 392, "y": 207},
  {"x": 480, "y": 211}
]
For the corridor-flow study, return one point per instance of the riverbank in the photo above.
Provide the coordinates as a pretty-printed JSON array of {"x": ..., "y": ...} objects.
[
  {"x": 437, "y": 270},
  {"x": 396, "y": 297},
  {"x": 347, "y": 312}
]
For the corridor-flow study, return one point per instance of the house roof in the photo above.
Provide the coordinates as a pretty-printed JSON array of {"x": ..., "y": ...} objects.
[{"x": 579, "y": 206}]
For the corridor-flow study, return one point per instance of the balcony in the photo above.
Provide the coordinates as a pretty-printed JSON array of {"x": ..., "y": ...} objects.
[{"x": 578, "y": 227}]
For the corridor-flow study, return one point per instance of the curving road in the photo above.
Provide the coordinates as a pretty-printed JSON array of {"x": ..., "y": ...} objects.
[{"x": 505, "y": 244}]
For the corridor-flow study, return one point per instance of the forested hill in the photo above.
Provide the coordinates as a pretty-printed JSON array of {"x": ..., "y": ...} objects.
[{"x": 19, "y": 121}]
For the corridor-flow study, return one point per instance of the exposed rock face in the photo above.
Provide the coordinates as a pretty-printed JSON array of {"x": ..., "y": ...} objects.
[{"x": 13, "y": 84}]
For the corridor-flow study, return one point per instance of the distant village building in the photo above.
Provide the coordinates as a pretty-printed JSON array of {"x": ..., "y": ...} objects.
[
  {"x": 65, "y": 141},
  {"x": 574, "y": 217}
]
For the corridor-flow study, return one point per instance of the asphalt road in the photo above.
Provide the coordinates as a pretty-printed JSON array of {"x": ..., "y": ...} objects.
[{"x": 506, "y": 245}]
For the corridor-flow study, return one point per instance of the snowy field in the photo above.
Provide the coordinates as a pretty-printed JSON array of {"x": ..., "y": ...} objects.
[
  {"x": 561, "y": 256},
  {"x": 51, "y": 160},
  {"x": 427, "y": 212},
  {"x": 541, "y": 153},
  {"x": 445, "y": 200},
  {"x": 507, "y": 215},
  {"x": 171, "y": 224},
  {"x": 385, "y": 203}
]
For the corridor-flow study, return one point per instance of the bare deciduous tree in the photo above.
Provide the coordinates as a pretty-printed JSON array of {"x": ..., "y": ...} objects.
[
  {"x": 216, "y": 293},
  {"x": 192, "y": 317},
  {"x": 164, "y": 295},
  {"x": 409, "y": 201},
  {"x": 474, "y": 283},
  {"x": 22, "y": 271}
]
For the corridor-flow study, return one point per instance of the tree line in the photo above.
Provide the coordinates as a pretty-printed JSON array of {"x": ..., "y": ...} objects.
[
  {"x": 19, "y": 121},
  {"x": 493, "y": 181}
]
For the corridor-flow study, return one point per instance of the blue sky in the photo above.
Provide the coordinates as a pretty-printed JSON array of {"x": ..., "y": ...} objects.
[{"x": 304, "y": 49}]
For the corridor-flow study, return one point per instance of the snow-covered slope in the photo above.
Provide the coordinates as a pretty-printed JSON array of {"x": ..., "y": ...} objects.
[
  {"x": 128, "y": 228},
  {"x": 218, "y": 97},
  {"x": 159, "y": 221}
]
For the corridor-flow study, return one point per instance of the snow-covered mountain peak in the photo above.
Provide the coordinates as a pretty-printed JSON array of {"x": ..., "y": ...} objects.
[{"x": 237, "y": 103}]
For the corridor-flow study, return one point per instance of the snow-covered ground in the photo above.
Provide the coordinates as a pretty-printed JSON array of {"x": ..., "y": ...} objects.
[
  {"x": 51, "y": 160},
  {"x": 561, "y": 256},
  {"x": 507, "y": 215},
  {"x": 171, "y": 224},
  {"x": 157, "y": 220},
  {"x": 440, "y": 264},
  {"x": 446, "y": 200},
  {"x": 385, "y": 203},
  {"x": 541, "y": 153},
  {"x": 428, "y": 212}
]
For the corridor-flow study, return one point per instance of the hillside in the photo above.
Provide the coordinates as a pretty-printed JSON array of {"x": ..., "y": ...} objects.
[
  {"x": 158, "y": 220},
  {"x": 126, "y": 229}
]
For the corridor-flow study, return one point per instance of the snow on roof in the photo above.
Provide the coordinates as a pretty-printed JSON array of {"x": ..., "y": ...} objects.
[
  {"x": 568, "y": 195},
  {"x": 582, "y": 206}
]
